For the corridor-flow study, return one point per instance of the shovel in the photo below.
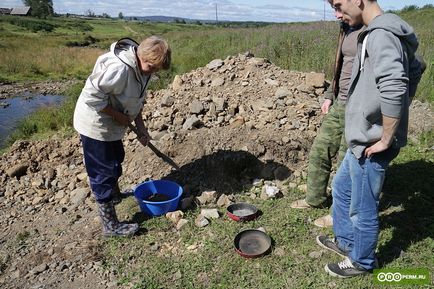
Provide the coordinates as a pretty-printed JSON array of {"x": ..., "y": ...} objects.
[{"x": 155, "y": 150}]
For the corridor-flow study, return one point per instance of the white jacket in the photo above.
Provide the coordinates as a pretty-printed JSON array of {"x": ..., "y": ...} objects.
[{"x": 115, "y": 80}]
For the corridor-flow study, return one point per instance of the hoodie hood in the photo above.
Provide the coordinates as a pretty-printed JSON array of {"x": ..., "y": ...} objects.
[
  {"x": 398, "y": 27},
  {"x": 125, "y": 49}
]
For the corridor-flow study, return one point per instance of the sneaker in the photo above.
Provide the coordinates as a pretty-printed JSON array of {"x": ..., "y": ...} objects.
[
  {"x": 300, "y": 204},
  {"x": 324, "y": 222},
  {"x": 345, "y": 269},
  {"x": 331, "y": 245}
]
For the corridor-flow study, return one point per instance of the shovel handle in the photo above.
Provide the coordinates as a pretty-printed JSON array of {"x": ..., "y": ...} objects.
[{"x": 156, "y": 151}]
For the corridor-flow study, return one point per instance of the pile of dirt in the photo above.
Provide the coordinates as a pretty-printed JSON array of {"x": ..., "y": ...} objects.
[{"x": 226, "y": 124}]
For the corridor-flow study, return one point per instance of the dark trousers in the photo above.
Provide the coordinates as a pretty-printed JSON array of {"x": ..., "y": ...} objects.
[{"x": 103, "y": 162}]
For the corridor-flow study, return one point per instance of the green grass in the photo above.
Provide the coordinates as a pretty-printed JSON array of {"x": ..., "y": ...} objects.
[{"x": 406, "y": 239}]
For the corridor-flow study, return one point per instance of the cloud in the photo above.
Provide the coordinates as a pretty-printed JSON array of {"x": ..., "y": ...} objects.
[{"x": 196, "y": 9}]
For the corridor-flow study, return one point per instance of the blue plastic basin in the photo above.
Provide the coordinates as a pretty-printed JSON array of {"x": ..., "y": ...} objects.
[{"x": 171, "y": 190}]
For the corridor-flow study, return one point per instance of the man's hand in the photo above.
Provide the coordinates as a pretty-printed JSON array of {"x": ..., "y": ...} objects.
[
  {"x": 326, "y": 106},
  {"x": 390, "y": 126},
  {"x": 378, "y": 147}
]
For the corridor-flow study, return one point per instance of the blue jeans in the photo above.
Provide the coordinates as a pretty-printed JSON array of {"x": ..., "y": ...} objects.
[{"x": 356, "y": 190}]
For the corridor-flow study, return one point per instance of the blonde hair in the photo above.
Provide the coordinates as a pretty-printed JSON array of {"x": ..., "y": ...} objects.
[{"x": 155, "y": 50}]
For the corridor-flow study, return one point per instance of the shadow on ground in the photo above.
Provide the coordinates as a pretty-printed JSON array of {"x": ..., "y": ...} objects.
[
  {"x": 226, "y": 172},
  {"x": 410, "y": 187}
]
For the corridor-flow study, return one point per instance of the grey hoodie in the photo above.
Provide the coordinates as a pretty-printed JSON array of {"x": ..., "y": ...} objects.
[
  {"x": 385, "y": 75},
  {"x": 115, "y": 80}
]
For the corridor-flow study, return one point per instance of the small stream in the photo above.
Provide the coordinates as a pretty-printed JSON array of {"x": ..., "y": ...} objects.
[{"x": 13, "y": 110}]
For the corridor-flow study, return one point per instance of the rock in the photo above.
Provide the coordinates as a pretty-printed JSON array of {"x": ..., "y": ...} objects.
[
  {"x": 207, "y": 197},
  {"x": 220, "y": 104},
  {"x": 177, "y": 83},
  {"x": 315, "y": 79},
  {"x": 18, "y": 170},
  {"x": 282, "y": 93},
  {"x": 174, "y": 217},
  {"x": 210, "y": 213},
  {"x": 269, "y": 192},
  {"x": 82, "y": 177},
  {"x": 167, "y": 100},
  {"x": 201, "y": 221},
  {"x": 191, "y": 123},
  {"x": 223, "y": 201},
  {"x": 39, "y": 269},
  {"x": 181, "y": 223},
  {"x": 196, "y": 107},
  {"x": 78, "y": 196},
  {"x": 217, "y": 82},
  {"x": 256, "y": 61},
  {"x": 215, "y": 64},
  {"x": 272, "y": 82}
]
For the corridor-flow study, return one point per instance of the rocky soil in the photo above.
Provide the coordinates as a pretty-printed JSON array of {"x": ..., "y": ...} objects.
[
  {"x": 226, "y": 124},
  {"x": 8, "y": 90}
]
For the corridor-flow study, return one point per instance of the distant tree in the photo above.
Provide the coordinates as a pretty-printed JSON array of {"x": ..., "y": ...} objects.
[
  {"x": 90, "y": 13},
  {"x": 121, "y": 15},
  {"x": 105, "y": 15},
  {"x": 180, "y": 21},
  {"x": 409, "y": 8},
  {"x": 198, "y": 22},
  {"x": 40, "y": 8},
  {"x": 428, "y": 6}
]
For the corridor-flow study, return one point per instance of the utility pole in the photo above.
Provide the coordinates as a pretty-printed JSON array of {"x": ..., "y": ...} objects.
[
  {"x": 216, "y": 15},
  {"x": 324, "y": 8}
]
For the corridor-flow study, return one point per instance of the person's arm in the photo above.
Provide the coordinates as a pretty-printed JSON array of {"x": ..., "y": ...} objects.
[
  {"x": 328, "y": 100},
  {"x": 385, "y": 51},
  {"x": 143, "y": 136},
  {"x": 116, "y": 115},
  {"x": 390, "y": 126}
]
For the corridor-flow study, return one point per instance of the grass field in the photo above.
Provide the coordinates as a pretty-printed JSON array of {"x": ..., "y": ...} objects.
[
  {"x": 205, "y": 258},
  {"x": 406, "y": 239}
]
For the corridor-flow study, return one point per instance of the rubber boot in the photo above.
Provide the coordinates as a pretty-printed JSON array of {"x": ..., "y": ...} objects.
[
  {"x": 111, "y": 225},
  {"x": 116, "y": 195}
]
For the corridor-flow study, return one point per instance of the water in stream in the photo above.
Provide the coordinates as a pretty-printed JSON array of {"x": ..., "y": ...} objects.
[{"x": 13, "y": 110}]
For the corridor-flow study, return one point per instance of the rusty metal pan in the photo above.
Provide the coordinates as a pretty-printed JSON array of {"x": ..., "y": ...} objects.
[
  {"x": 242, "y": 212},
  {"x": 252, "y": 243}
]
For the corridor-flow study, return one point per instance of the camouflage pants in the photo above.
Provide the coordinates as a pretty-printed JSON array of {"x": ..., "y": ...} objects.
[{"x": 329, "y": 142}]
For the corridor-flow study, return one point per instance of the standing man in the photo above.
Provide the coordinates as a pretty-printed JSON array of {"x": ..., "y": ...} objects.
[
  {"x": 385, "y": 76},
  {"x": 330, "y": 140}
]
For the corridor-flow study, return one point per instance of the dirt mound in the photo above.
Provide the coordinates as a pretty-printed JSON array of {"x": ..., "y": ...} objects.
[{"x": 225, "y": 125}]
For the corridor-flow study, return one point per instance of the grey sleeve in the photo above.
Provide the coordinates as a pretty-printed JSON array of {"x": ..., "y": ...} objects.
[{"x": 386, "y": 54}]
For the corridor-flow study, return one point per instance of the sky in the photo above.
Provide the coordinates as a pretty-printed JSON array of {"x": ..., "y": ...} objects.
[{"x": 232, "y": 10}]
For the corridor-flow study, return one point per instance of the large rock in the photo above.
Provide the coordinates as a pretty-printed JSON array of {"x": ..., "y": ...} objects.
[
  {"x": 215, "y": 64},
  {"x": 79, "y": 195},
  {"x": 196, "y": 107},
  {"x": 177, "y": 83},
  {"x": 18, "y": 170},
  {"x": 314, "y": 79}
]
